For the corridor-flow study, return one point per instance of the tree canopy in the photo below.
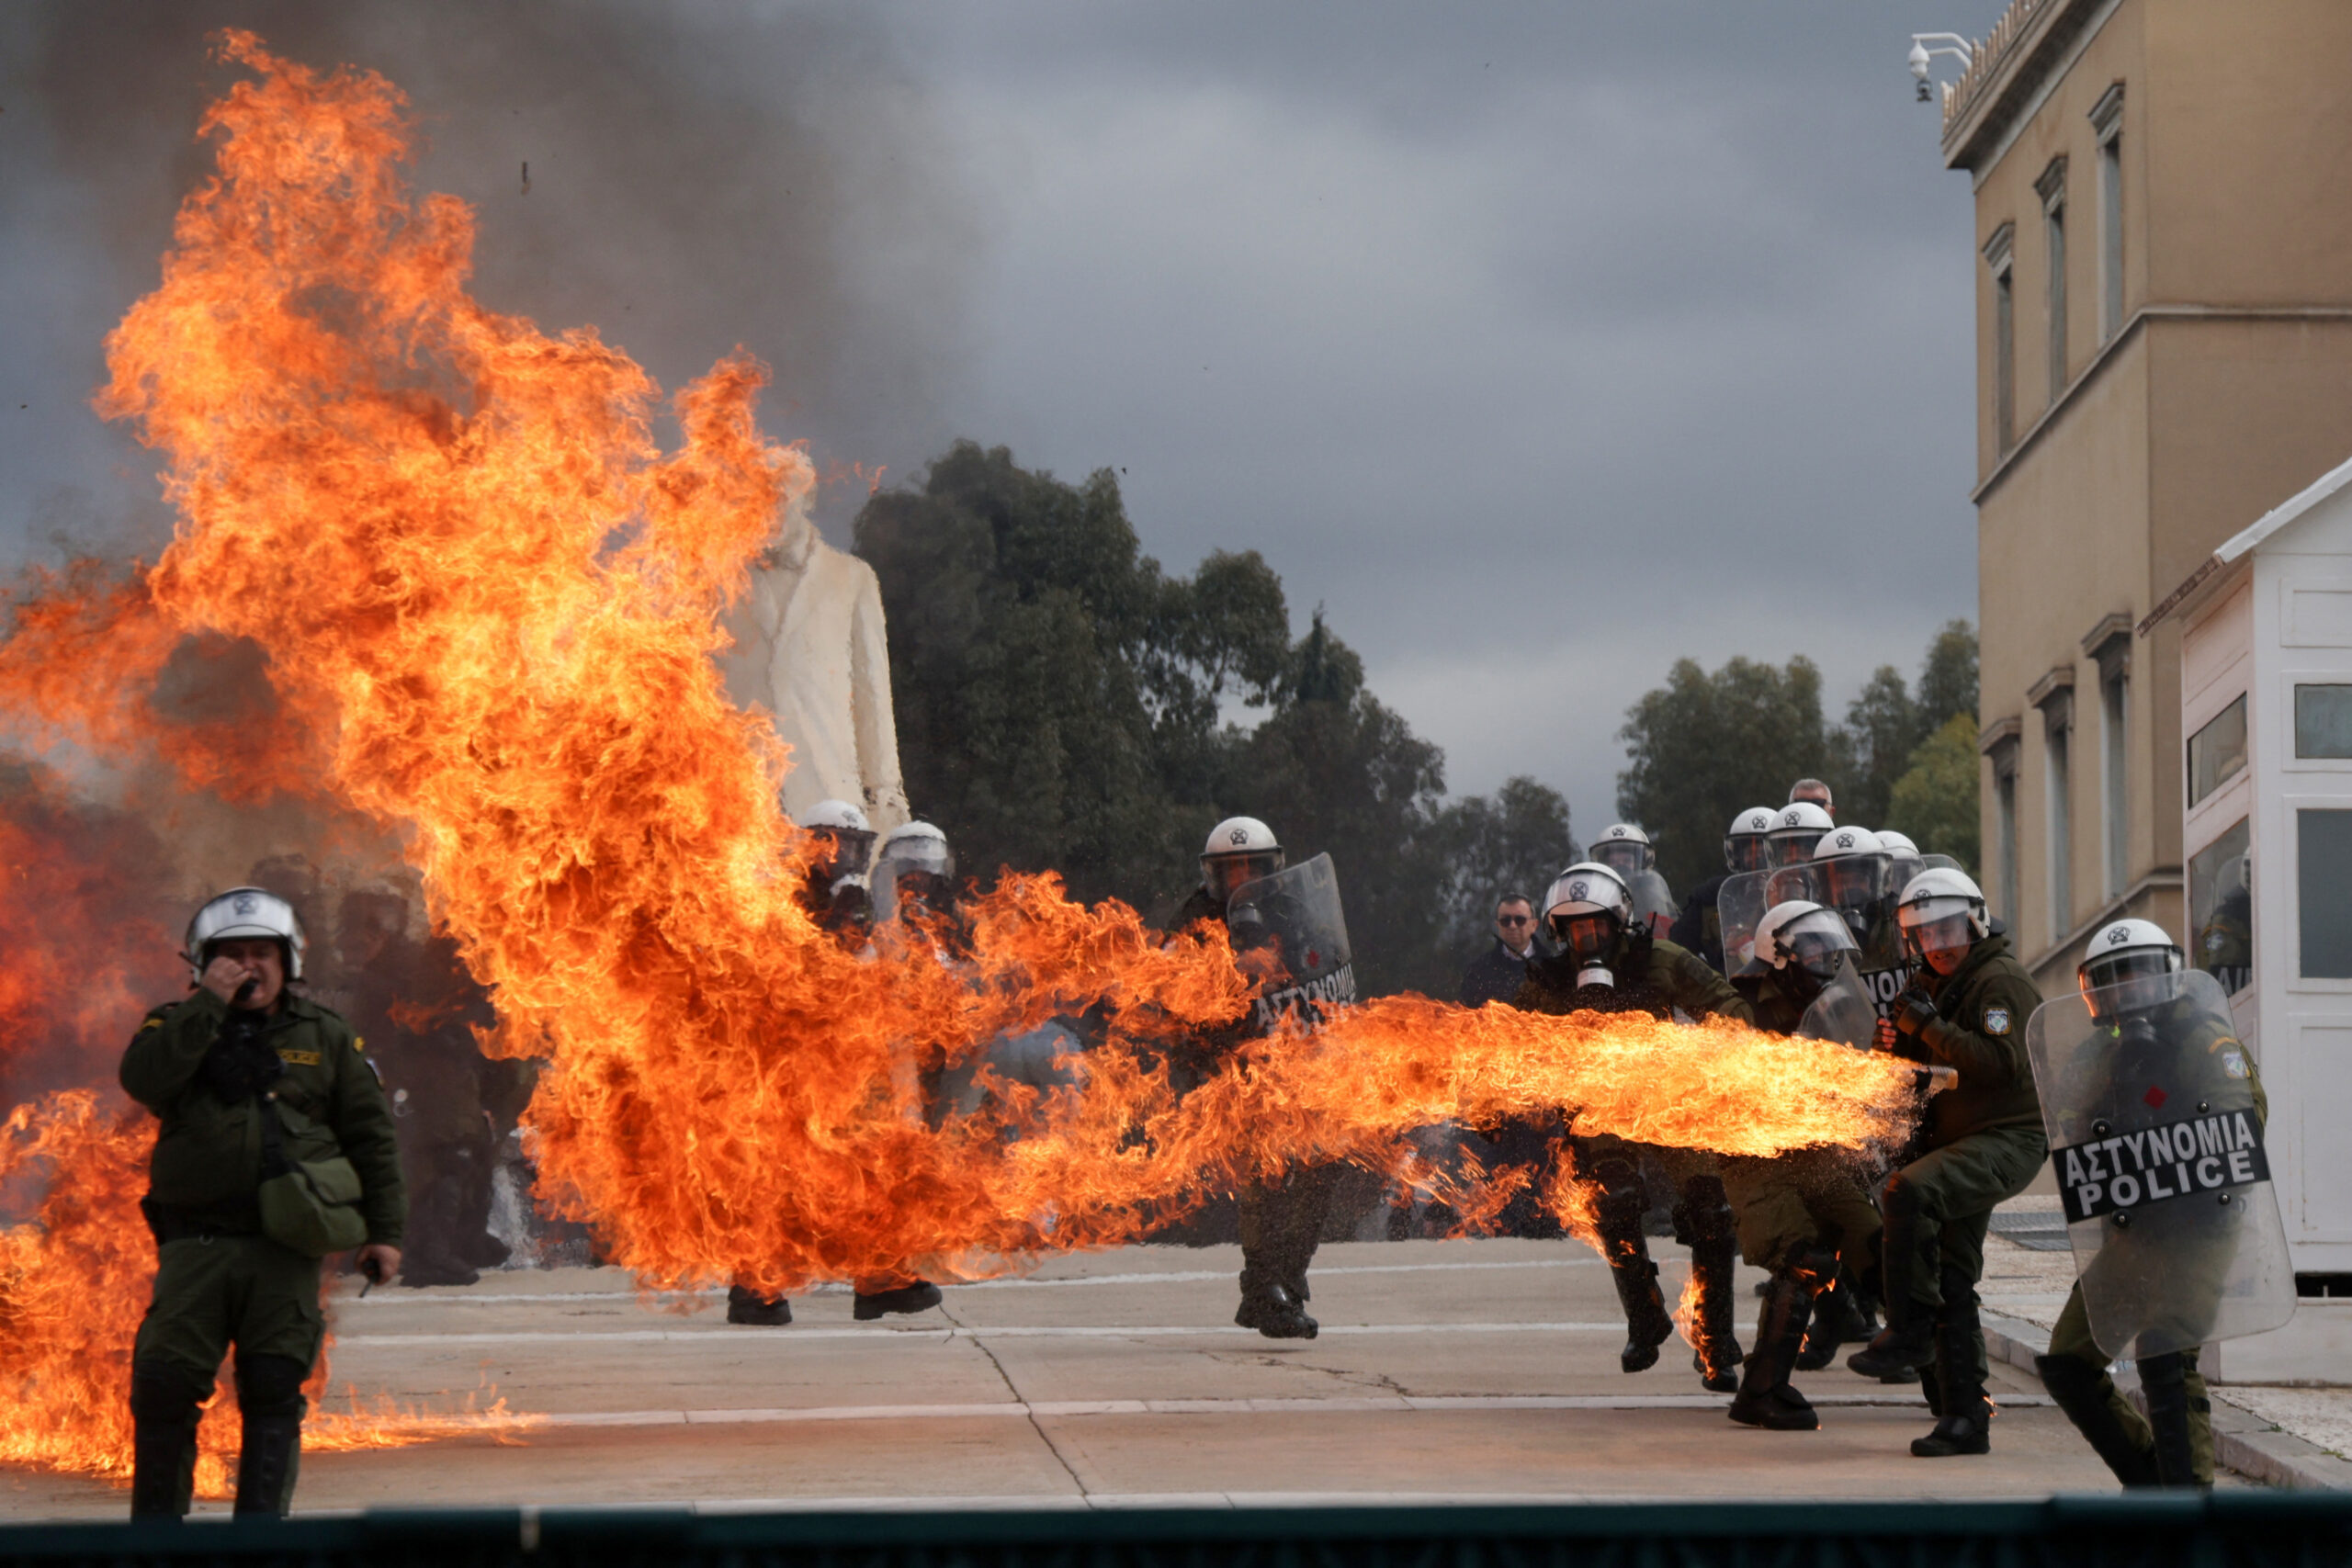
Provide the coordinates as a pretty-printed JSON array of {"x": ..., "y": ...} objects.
[{"x": 1065, "y": 704}]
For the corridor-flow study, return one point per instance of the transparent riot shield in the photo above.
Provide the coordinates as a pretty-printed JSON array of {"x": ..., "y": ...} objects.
[
  {"x": 1654, "y": 903},
  {"x": 1290, "y": 930},
  {"x": 2146, "y": 1094},
  {"x": 1843, "y": 1011},
  {"x": 1741, "y": 903}
]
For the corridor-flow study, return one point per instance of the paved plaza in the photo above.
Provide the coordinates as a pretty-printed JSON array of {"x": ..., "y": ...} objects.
[{"x": 1445, "y": 1370}]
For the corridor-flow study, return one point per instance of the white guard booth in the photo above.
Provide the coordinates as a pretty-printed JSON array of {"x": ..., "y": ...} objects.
[{"x": 2265, "y": 692}]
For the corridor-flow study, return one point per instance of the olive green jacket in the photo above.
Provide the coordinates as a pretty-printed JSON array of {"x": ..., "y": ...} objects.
[
  {"x": 207, "y": 1165},
  {"x": 1674, "y": 976},
  {"x": 1979, "y": 1032}
]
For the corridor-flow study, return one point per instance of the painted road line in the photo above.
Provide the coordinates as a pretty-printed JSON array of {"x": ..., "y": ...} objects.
[{"x": 737, "y": 1337}]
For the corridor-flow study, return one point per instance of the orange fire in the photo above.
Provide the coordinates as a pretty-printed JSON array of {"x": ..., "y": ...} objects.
[{"x": 489, "y": 603}]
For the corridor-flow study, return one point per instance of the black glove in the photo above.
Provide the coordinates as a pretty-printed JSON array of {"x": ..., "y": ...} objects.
[{"x": 1913, "y": 1012}]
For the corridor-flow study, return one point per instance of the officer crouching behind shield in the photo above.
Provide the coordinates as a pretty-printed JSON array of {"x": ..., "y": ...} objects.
[
  {"x": 276, "y": 1149},
  {"x": 1982, "y": 1141}
]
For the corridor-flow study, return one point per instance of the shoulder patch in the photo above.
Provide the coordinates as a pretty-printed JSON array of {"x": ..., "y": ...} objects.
[
  {"x": 2233, "y": 1063},
  {"x": 1996, "y": 1021}
]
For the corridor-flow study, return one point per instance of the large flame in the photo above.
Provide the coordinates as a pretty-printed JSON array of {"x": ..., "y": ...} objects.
[{"x": 490, "y": 603}]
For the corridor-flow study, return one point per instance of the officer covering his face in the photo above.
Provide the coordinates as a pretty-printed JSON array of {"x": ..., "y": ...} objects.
[
  {"x": 2192, "y": 1250},
  {"x": 1981, "y": 1142},
  {"x": 1803, "y": 1214},
  {"x": 1610, "y": 963},
  {"x": 274, "y": 1148}
]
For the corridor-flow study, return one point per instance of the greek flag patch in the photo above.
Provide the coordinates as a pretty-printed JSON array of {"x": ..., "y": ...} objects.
[{"x": 1996, "y": 1021}]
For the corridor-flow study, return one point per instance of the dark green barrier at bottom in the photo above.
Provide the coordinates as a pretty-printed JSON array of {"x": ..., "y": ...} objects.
[{"x": 2230, "y": 1529}]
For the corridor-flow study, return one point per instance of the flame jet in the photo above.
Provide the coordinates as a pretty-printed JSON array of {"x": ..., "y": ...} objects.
[{"x": 490, "y": 603}]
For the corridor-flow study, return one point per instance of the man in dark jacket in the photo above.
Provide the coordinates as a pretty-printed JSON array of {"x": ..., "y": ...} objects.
[
  {"x": 240, "y": 1072},
  {"x": 1982, "y": 1141},
  {"x": 1495, "y": 975},
  {"x": 1608, "y": 964}
]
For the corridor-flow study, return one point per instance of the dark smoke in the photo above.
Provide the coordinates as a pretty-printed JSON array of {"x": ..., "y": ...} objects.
[{"x": 700, "y": 176}]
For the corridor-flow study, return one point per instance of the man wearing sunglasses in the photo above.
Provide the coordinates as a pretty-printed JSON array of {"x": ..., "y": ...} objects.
[
  {"x": 1980, "y": 1142},
  {"x": 1495, "y": 975}
]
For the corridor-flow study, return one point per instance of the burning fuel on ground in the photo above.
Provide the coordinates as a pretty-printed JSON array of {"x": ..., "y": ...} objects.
[{"x": 488, "y": 602}]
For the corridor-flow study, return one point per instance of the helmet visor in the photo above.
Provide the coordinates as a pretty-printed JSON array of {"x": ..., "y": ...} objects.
[
  {"x": 1813, "y": 940},
  {"x": 1943, "y": 933},
  {"x": 2127, "y": 982},
  {"x": 1622, "y": 856},
  {"x": 1588, "y": 934},
  {"x": 1746, "y": 851},
  {"x": 1795, "y": 846},
  {"x": 845, "y": 850},
  {"x": 1854, "y": 881},
  {"x": 1225, "y": 875}
]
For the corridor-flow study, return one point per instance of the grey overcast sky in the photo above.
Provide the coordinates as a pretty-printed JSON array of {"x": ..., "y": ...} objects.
[{"x": 1540, "y": 343}]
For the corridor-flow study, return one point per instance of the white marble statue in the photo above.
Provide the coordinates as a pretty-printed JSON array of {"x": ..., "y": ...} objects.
[{"x": 809, "y": 648}]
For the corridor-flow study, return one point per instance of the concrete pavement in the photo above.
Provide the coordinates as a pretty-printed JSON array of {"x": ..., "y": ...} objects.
[{"x": 1483, "y": 1369}]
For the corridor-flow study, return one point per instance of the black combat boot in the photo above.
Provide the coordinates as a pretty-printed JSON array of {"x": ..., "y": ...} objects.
[
  {"x": 1902, "y": 1347},
  {"x": 269, "y": 1400},
  {"x": 747, "y": 1306},
  {"x": 2084, "y": 1393},
  {"x": 1275, "y": 1312},
  {"x": 1703, "y": 1222},
  {"x": 2165, "y": 1380},
  {"x": 164, "y": 1408},
  {"x": 1647, "y": 1323},
  {"x": 1837, "y": 1321},
  {"x": 1965, "y": 1413},
  {"x": 921, "y": 1296},
  {"x": 1765, "y": 1398}
]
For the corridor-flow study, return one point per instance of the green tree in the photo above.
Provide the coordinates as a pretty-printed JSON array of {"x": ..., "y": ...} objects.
[
  {"x": 1704, "y": 746},
  {"x": 1948, "y": 677},
  {"x": 1935, "y": 801}
]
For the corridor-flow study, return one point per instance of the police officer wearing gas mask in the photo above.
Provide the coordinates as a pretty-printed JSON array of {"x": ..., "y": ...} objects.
[
  {"x": 275, "y": 1148},
  {"x": 1609, "y": 963}
]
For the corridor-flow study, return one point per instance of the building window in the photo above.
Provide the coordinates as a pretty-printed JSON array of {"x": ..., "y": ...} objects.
[
  {"x": 2323, "y": 721},
  {"x": 2005, "y": 808},
  {"x": 2107, "y": 124},
  {"x": 2217, "y": 752},
  {"x": 2323, "y": 893},
  {"x": 2005, "y": 342},
  {"x": 2059, "y": 783},
  {"x": 2114, "y": 694},
  {"x": 2053, "y": 186},
  {"x": 2221, "y": 910}
]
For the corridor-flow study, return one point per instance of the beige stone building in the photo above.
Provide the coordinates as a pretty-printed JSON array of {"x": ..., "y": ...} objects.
[{"x": 2164, "y": 220}]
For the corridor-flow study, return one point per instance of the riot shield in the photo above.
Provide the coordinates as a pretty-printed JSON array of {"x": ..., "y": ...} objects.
[
  {"x": 2159, "y": 1158},
  {"x": 1843, "y": 1011},
  {"x": 1290, "y": 930},
  {"x": 1653, "y": 902},
  {"x": 1742, "y": 903}
]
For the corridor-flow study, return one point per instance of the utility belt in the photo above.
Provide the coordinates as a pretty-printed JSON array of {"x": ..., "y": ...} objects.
[{"x": 168, "y": 1222}]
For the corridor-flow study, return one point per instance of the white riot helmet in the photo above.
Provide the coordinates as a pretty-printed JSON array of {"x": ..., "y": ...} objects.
[
  {"x": 1795, "y": 831},
  {"x": 1239, "y": 849},
  {"x": 1623, "y": 849},
  {"x": 852, "y": 834},
  {"x": 1588, "y": 906},
  {"x": 2136, "y": 955},
  {"x": 1744, "y": 846},
  {"x": 1850, "y": 869},
  {"x": 1903, "y": 860},
  {"x": 1939, "y": 910},
  {"x": 1802, "y": 932},
  {"x": 245, "y": 912},
  {"x": 916, "y": 854}
]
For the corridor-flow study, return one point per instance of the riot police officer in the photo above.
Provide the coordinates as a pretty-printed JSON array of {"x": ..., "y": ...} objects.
[
  {"x": 1903, "y": 860},
  {"x": 1850, "y": 869},
  {"x": 1796, "y": 830},
  {"x": 1699, "y": 927},
  {"x": 2130, "y": 982},
  {"x": 1281, "y": 1218},
  {"x": 1981, "y": 1142},
  {"x": 275, "y": 1147},
  {"x": 1626, "y": 850},
  {"x": 836, "y": 894},
  {"x": 1610, "y": 963},
  {"x": 1801, "y": 1212}
]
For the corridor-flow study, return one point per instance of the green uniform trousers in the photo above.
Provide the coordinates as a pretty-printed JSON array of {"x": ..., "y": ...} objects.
[
  {"x": 2071, "y": 1338},
  {"x": 1281, "y": 1222},
  {"x": 1938, "y": 1209},
  {"x": 215, "y": 1292},
  {"x": 1797, "y": 1199}
]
